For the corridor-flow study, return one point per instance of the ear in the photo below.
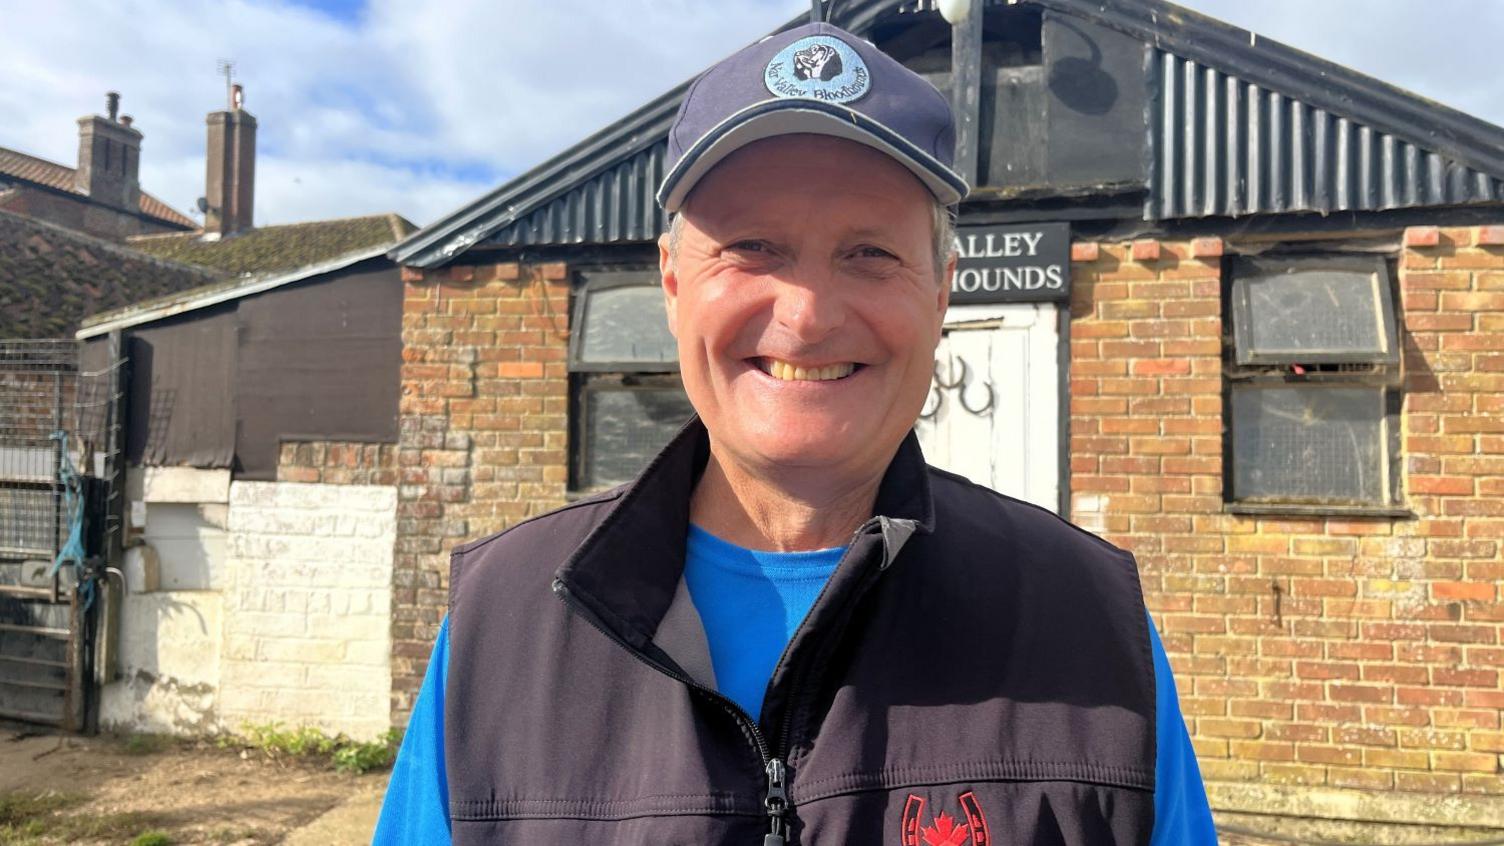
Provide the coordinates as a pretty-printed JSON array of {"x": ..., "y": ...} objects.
[{"x": 670, "y": 284}]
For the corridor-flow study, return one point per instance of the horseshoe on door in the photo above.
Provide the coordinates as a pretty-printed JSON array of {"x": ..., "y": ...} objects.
[
  {"x": 959, "y": 380},
  {"x": 986, "y": 407}
]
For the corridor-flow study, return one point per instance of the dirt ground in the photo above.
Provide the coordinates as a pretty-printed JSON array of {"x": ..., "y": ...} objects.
[{"x": 57, "y": 788}]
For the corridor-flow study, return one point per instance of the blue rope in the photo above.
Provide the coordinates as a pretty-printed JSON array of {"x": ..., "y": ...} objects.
[{"x": 72, "y": 552}]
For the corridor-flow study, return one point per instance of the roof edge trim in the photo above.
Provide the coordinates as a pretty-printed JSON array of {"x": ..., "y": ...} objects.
[{"x": 213, "y": 294}]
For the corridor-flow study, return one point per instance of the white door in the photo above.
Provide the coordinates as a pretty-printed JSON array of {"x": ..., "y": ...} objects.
[{"x": 993, "y": 410}]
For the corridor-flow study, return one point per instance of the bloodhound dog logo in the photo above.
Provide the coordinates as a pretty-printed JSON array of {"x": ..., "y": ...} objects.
[
  {"x": 817, "y": 61},
  {"x": 943, "y": 830}
]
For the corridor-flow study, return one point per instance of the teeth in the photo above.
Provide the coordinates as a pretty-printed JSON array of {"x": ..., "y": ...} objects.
[{"x": 790, "y": 373}]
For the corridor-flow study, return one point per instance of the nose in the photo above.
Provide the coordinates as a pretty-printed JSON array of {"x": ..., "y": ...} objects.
[{"x": 810, "y": 309}]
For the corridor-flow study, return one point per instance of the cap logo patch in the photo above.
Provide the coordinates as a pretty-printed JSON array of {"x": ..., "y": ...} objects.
[{"x": 818, "y": 67}]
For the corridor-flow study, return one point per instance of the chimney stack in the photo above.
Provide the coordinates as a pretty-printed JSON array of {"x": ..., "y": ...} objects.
[
  {"x": 231, "y": 185},
  {"x": 109, "y": 158}
]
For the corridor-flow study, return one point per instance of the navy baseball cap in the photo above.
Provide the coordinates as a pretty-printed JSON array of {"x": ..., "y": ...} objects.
[{"x": 817, "y": 79}]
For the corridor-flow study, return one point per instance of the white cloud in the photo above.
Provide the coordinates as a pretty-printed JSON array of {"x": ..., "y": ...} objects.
[
  {"x": 1444, "y": 51},
  {"x": 413, "y": 109},
  {"x": 418, "y": 108}
]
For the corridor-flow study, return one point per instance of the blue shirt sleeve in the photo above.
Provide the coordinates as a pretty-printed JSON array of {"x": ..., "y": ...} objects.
[
  {"x": 416, "y": 808},
  {"x": 1182, "y": 816}
]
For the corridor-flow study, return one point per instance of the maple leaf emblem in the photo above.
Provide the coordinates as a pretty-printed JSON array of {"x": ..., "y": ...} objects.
[{"x": 945, "y": 832}]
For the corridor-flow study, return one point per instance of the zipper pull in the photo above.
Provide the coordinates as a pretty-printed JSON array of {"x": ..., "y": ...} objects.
[{"x": 777, "y": 802}]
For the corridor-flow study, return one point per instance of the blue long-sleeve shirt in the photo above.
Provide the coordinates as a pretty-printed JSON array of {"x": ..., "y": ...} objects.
[{"x": 750, "y": 603}]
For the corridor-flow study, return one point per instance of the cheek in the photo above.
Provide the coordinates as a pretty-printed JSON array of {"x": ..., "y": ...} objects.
[
  {"x": 908, "y": 330},
  {"x": 725, "y": 315}
]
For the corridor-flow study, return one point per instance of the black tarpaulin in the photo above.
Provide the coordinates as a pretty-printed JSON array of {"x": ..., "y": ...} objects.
[{"x": 182, "y": 396}]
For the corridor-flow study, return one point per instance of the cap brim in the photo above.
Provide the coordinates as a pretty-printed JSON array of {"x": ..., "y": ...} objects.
[{"x": 793, "y": 116}]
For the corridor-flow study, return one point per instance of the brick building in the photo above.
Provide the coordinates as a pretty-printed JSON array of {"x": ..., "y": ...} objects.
[
  {"x": 1256, "y": 336},
  {"x": 102, "y": 196}
]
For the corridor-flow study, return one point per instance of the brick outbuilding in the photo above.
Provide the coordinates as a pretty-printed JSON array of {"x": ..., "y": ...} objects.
[{"x": 1234, "y": 308}]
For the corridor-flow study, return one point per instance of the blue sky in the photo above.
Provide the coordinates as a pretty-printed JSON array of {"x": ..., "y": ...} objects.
[{"x": 378, "y": 106}]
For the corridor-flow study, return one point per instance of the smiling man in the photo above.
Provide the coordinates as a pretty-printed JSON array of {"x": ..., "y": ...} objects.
[{"x": 789, "y": 629}]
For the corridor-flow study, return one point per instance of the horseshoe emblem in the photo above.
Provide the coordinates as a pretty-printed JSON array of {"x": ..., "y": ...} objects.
[
  {"x": 957, "y": 383},
  {"x": 986, "y": 407}
]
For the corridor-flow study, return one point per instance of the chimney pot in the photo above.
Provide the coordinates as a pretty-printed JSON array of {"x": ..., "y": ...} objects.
[
  {"x": 126, "y": 121},
  {"x": 109, "y": 159}
]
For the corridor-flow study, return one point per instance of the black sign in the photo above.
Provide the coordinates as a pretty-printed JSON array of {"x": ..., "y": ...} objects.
[{"x": 1012, "y": 264}]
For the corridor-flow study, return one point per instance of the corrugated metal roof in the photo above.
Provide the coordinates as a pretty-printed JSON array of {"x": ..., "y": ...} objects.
[
  {"x": 1226, "y": 147},
  {"x": 610, "y": 207},
  {"x": 1303, "y": 134}
]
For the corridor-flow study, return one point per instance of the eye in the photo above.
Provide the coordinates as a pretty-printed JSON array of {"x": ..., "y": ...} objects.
[
  {"x": 868, "y": 251},
  {"x": 750, "y": 246}
]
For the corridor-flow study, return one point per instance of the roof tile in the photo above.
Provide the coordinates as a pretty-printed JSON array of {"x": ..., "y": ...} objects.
[
  {"x": 269, "y": 249},
  {"x": 19, "y": 165},
  {"x": 51, "y": 278}
]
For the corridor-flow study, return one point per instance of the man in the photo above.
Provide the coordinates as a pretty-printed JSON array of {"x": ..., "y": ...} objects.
[{"x": 788, "y": 629}]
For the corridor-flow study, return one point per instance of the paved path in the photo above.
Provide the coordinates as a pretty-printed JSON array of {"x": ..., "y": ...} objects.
[{"x": 350, "y": 823}]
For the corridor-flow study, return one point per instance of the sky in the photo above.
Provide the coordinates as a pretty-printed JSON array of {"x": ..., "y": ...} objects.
[{"x": 370, "y": 106}]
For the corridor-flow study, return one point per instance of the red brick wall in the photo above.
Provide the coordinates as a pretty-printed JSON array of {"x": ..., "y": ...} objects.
[
  {"x": 337, "y": 463},
  {"x": 1324, "y": 651},
  {"x": 78, "y": 213},
  {"x": 483, "y": 436}
]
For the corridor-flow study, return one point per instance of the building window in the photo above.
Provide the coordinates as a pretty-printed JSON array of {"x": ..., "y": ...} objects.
[
  {"x": 627, "y": 398},
  {"x": 1314, "y": 394}
]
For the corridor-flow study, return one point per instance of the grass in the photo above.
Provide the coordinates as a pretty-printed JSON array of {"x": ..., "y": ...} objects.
[
  {"x": 36, "y": 818},
  {"x": 307, "y": 743},
  {"x": 147, "y": 744}
]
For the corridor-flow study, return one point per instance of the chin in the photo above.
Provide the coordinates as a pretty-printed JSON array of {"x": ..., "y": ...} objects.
[{"x": 805, "y": 440}]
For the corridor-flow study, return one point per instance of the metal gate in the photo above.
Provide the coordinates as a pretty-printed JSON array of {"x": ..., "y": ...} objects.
[{"x": 59, "y": 434}]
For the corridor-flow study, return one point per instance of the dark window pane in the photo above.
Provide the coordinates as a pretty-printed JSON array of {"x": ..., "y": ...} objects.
[
  {"x": 625, "y": 428},
  {"x": 1312, "y": 311},
  {"x": 1310, "y": 444},
  {"x": 623, "y": 324}
]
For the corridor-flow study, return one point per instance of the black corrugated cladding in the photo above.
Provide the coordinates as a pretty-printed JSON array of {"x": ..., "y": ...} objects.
[
  {"x": 1234, "y": 125},
  {"x": 1220, "y": 147},
  {"x": 1226, "y": 147},
  {"x": 614, "y": 206}
]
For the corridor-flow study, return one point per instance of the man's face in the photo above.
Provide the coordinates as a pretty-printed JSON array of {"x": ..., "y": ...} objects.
[{"x": 806, "y": 303}]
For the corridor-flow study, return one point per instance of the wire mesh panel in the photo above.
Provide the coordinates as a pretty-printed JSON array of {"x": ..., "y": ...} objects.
[
  {"x": 52, "y": 419},
  {"x": 38, "y": 384}
]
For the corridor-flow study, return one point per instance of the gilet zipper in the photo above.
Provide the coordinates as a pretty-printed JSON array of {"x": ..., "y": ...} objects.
[
  {"x": 775, "y": 771},
  {"x": 775, "y": 799}
]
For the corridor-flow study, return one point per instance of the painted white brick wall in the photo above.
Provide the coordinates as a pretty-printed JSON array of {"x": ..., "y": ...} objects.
[
  {"x": 307, "y": 606},
  {"x": 169, "y": 664}
]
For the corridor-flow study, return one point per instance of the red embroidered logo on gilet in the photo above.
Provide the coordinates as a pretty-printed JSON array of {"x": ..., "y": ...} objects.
[{"x": 943, "y": 830}]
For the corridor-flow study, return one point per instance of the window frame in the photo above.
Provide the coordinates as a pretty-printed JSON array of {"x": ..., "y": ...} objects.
[
  {"x": 590, "y": 377},
  {"x": 1383, "y": 372},
  {"x": 1242, "y": 312},
  {"x": 592, "y": 281},
  {"x": 592, "y": 383}
]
